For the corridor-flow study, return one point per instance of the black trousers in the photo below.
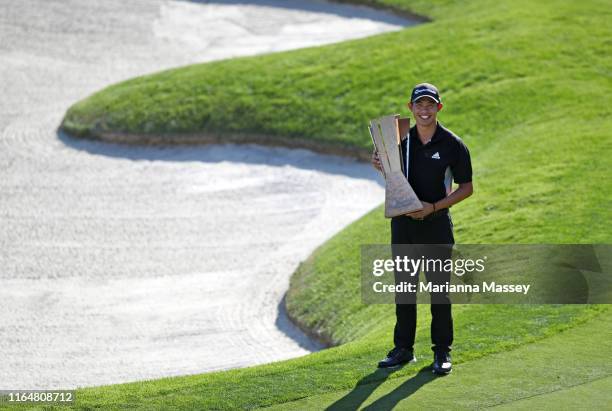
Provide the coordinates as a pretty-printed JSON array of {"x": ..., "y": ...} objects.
[{"x": 436, "y": 230}]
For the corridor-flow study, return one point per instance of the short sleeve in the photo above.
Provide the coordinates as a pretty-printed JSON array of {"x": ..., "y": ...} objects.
[{"x": 462, "y": 167}]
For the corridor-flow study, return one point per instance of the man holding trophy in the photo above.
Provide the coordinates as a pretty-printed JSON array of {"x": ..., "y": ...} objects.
[{"x": 419, "y": 167}]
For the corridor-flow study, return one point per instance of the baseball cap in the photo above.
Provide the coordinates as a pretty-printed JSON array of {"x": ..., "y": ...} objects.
[{"x": 425, "y": 90}]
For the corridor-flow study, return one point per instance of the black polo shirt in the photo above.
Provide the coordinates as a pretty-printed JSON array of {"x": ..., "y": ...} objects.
[{"x": 432, "y": 163}]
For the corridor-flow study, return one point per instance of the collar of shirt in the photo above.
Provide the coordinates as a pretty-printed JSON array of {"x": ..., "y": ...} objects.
[{"x": 416, "y": 141}]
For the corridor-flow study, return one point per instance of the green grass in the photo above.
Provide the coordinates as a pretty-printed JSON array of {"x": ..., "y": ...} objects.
[
  {"x": 480, "y": 332},
  {"x": 562, "y": 372},
  {"x": 525, "y": 84}
]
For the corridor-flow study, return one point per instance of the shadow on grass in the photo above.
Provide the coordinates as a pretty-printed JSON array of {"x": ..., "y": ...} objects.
[{"x": 363, "y": 390}]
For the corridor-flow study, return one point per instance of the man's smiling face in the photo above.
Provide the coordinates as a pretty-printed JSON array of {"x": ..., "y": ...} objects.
[{"x": 425, "y": 111}]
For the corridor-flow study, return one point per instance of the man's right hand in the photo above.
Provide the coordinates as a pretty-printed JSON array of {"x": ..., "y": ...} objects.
[{"x": 376, "y": 161}]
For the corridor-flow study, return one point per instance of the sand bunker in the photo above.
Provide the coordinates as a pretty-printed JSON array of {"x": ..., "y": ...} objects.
[{"x": 125, "y": 263}]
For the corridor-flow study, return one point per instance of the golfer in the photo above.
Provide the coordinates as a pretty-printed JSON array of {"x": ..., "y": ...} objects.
[{"x": 433, "y": 156}]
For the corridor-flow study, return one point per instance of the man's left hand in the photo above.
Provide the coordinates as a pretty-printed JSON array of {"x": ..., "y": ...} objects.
[{"x": 421, "y": 214}]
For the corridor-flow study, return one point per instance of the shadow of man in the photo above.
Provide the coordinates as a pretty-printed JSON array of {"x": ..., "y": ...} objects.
[
  {"x": 405, "y": 390},
  {"x": 364, "y": 388}
]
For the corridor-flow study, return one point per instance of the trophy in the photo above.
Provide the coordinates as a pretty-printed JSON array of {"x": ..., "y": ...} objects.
[{"x": 399, "y": 196}]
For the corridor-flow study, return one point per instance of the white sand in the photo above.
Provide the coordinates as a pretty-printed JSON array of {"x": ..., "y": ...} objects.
[{"x": 124, "y": 263}]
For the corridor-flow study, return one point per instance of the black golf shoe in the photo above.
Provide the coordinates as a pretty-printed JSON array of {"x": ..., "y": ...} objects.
[
  {"x": 397, "y": 356},
  {"x": 442, "y": 364}
]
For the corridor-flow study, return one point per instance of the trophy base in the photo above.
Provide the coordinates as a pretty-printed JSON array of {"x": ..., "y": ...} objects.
[{"x": 399, "y": 196}]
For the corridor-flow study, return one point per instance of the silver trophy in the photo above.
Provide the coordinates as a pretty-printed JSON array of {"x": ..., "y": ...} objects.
[{"x": 399, "y": 196}]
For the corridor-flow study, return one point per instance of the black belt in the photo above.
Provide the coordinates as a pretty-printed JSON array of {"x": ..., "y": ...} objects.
[{"x": 431, "y": 216}]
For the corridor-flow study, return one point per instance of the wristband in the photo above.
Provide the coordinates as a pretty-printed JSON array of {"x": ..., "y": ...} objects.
[{"x": 434, "y": 206}]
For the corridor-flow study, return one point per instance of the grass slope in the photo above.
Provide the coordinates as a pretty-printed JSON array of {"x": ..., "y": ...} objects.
[{"x": 526, "y": 86}]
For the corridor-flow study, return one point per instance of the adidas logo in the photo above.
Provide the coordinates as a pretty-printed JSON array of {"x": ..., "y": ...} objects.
[{"x": 436, "y": 156}]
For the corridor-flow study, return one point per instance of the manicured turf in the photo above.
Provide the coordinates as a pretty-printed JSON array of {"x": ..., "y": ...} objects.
[
  {"x": 526, "y": 84},
  {"x": 480, "y": 332},
  {"x": 565, "y": 371}
]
